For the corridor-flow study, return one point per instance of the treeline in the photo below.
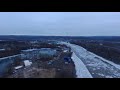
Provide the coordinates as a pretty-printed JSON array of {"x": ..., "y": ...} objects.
[
  {"x": 12, "y": 48},
  {"x": 43, "y": 45},
  {"x": 15, "y": 47}
]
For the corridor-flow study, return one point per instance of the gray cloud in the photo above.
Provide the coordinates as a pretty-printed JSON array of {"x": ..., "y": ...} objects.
[{"x": 60, "y": 23}]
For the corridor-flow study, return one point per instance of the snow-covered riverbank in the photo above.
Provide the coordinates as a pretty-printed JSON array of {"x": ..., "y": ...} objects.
[
  {"x": 97, "y": 66},
  {"x": 81, "y": 70}
]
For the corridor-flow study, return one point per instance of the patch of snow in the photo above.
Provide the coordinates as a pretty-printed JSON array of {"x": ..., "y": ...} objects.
[
  {"x": 94, "y": 69},
  {"x": 28, "y": 50},
  {"x": 27, "y": 63},
  {"x": 65, "y": 51},
  {"x": 66, "y": 62},
  {"x": 2, "y": 49},
  {"x": 18, "y": 67},
  {"x": 50, "y": 62},
  {"x": 10, "y": 57},
  {"x": 108, "y": 76},
  {"x": 58, "y": 69},
  {"x": 81, "y": 70},
  {"x": 101, "y": 74},
  {"x": 101, "y": 44},
  {"x": 117, "y": 74},
  {"x": 98, "y": 65},
  {"x": 34, "y": 41}
]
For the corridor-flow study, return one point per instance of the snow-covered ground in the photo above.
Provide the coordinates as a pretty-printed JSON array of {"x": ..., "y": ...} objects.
[
  {"x": 28, "y": 50},
  {"x": 81, "y": 70},
  {"x": 18, "y": 67},
  {"x": 96, "y": 65},
  {"x": 2, "y": 49},
  {"x": 10, "y": 57}
]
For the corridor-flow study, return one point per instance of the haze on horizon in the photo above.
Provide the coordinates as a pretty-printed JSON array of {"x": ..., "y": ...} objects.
[{"x": 60, "y": 23}]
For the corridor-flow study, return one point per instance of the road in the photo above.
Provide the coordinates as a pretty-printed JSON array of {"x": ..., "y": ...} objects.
[{"x": 90, "y": 65}]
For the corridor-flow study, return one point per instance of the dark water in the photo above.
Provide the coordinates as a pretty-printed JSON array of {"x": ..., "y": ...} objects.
[{"x": 5, "y": 62}]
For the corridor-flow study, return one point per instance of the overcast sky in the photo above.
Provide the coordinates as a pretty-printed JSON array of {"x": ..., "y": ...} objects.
[{"x": 60, "y": 23}]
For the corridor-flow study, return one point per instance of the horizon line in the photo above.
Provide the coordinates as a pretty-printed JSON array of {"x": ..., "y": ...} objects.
[{"x": 64, "y": 35}]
